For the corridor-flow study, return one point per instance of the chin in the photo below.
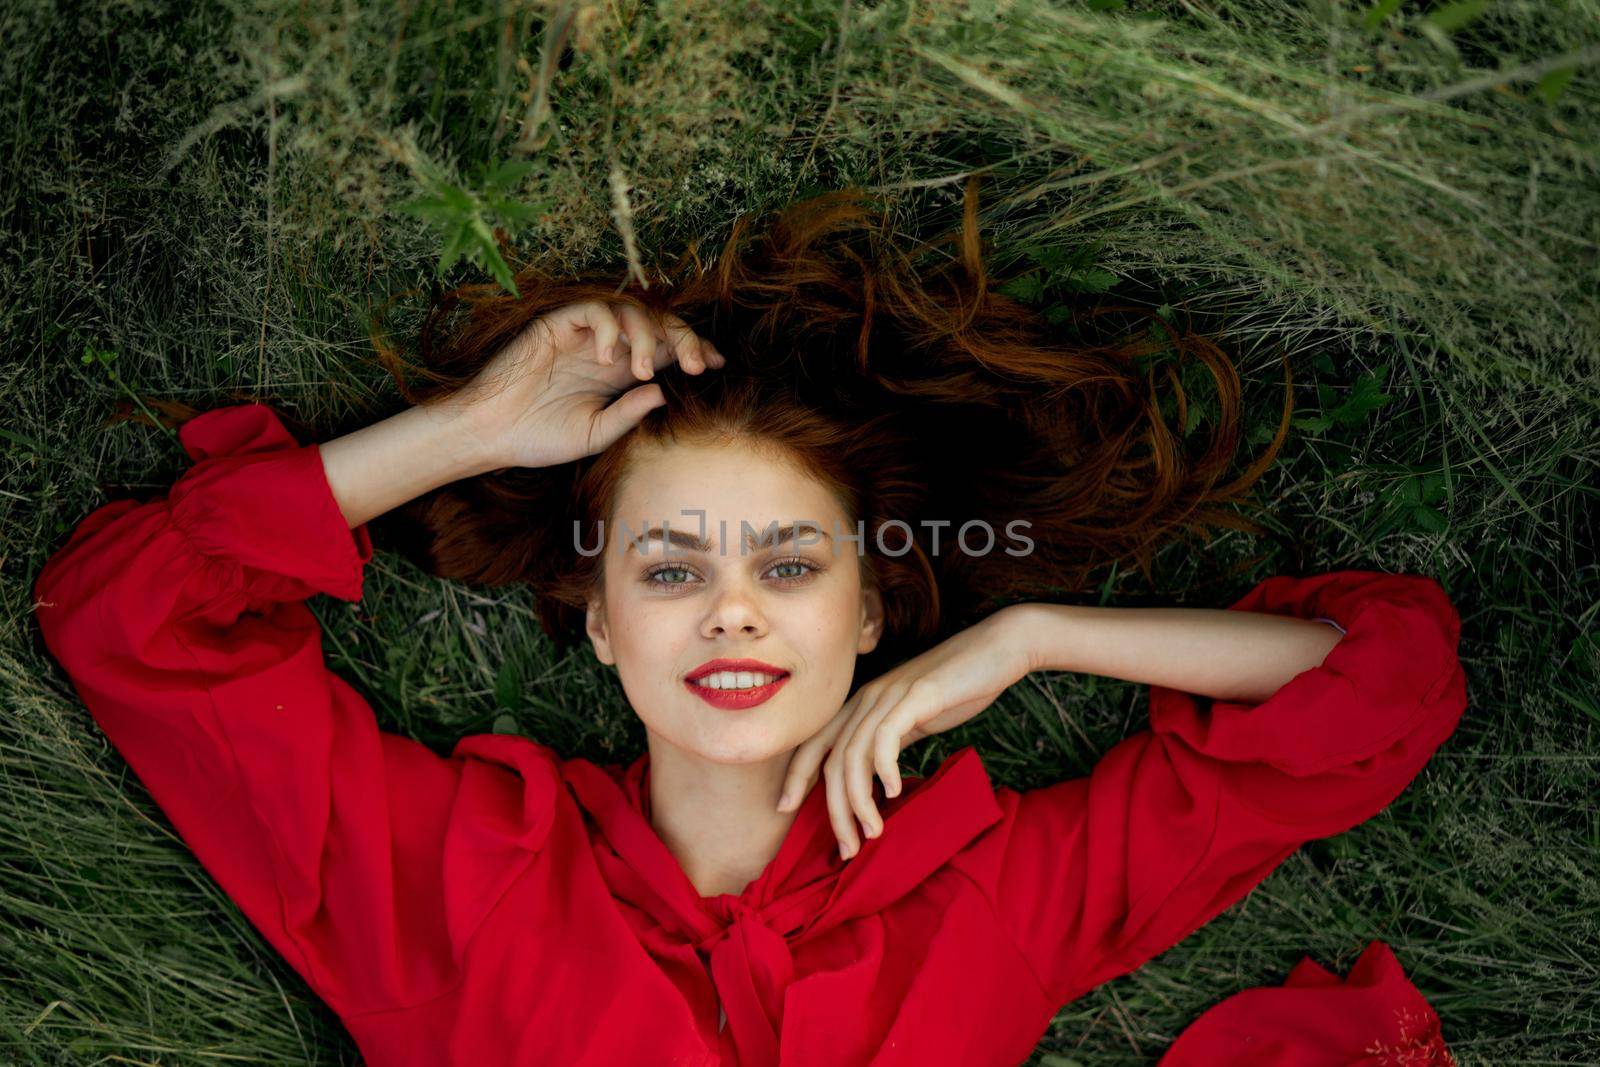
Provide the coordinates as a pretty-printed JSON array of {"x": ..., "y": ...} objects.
[
  {"x": 728, "y": 743},
  {"x": 733, "y": 750}
]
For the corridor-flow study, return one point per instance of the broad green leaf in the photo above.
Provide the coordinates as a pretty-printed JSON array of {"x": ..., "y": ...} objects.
[
  {"x": 1092, "y": 281},
  {"x": 514, "y": 211},
  {"x": 1027, "y": 288},
  {"x": 1312, "y": 423},
  {"x": 454, "y": 247},
  {"x": 432, "y": 208},
  {"x": 1434, "y": 488},
  {"x": 507, "y": 693},
  {"x": 1365, "y": 397},
  {"x": 509, "y": 174},
  {"x": 1429, "y": 520}
]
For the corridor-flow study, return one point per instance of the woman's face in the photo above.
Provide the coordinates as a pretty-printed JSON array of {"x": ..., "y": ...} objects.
[{"x": 668, "y": 610}]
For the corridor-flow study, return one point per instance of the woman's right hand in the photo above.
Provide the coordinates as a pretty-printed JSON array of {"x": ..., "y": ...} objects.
[{"x": 550, "y": 396}]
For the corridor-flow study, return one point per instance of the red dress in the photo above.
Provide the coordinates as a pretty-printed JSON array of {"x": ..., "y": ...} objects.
[{"x": 507, "y": 906}]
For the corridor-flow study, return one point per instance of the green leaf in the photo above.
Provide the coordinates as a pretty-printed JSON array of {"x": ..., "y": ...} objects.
[
  {"x": 1452, "y": 17},
  {"x": 1058, "y": 314},
  {"x": 432, "y": 208},
  {"x": 1411, "y": 491},
  {"x": 507, "y": 691},
  {"x": 1094, "y": 280},
  {"x": 455, "y": 246},
  {"x": 505, "y": 723},
  {"x": 493, "y": 262},
  {"x": 1551, "y": 85},
  {"x": 1312, "y": 423},
  {"x": 509, "y": 174},
  {"x": 1434, "y": 488},
  {"x": 1379, "y": 13},
  {"x": 1026, "y": 288},
  {"x": 1107, "y": 5},
  {"x": 514, "y": 211},
  {"x": 1366, "y": 396},
  {"x": 1428, "y": 520}
]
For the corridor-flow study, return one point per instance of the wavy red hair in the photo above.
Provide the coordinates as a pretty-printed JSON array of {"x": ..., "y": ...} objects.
[
  {"x": 912, "y": 394},
  {"x": 899, "y": 376}
]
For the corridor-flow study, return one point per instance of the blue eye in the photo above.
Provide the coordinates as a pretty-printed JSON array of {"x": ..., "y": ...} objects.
[
  {"x": 795, "y": 563},
  {"x": 666, "y": 570},
  {"x": 809, "y": 569}
]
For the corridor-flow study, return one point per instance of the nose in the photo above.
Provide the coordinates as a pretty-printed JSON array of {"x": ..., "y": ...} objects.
[{"x": 734, "y": 610}]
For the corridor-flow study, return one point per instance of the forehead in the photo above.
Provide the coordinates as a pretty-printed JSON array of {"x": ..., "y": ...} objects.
[{"x": 730, "y": 482}]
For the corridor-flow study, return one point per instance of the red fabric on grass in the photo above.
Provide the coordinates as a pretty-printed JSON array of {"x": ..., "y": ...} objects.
[{"x": 504, "y": 905}]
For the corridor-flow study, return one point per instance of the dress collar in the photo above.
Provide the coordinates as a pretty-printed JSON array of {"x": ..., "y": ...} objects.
[
  {"x": 806, "y": 887},
  {"x": 731, "y": 953}
]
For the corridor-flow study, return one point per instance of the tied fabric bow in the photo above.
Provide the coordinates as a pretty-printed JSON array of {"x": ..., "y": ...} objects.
[{"x": 736, "y": 949}]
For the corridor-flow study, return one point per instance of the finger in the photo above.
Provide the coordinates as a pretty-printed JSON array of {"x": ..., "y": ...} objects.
[
  {"x": 804, "y": 764},
  {"x": 899, "y": 727},
  {"x": 796, "y": 779},
  {"x": 839, "y": 808},
  {"x": 692, "y": 352},
  {"x": 622, "y": 415},
  {"x": 685, "y": 343},
  {"x": 838, "y": 768},
  {"x": 602, "y": 322},
  {"x": 887, "y": 745},
  {"x": 642, "y": 353},
  {"x": 858, "y": 762},
  {"x": 644, "y": 337}
]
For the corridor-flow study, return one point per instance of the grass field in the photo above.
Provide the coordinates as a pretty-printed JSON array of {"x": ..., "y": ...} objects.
[{"x": 201, "y": 203}]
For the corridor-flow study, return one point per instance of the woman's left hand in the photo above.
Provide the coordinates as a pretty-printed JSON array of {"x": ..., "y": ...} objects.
[{"x": 928, "y": 694}]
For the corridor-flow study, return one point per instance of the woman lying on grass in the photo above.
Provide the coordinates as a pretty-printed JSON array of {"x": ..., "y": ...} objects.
[{"x": 812, "y": 464}]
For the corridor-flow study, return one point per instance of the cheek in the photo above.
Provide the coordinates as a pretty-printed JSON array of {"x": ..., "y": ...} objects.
[{"x": 643, "y": 633}]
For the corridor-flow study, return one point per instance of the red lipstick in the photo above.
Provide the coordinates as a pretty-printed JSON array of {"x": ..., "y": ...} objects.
[{"x": 735, "y": 698}]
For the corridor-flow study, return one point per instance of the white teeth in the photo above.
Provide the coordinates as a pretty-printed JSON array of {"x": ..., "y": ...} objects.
[{"x": 735, "y": 679}]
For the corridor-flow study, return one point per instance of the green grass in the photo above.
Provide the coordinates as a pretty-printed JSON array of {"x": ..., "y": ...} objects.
[{"x": 1408, "y": 209}]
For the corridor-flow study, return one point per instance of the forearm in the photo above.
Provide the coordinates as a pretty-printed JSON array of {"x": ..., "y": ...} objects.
[
  {"x": 1225, "y": 655},
  {"x": 379, "y": 467}
]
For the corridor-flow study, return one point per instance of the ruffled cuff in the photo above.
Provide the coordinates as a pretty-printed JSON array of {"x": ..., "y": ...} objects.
[
  {"x": 257, "y": 497},
  {"x": 1395, "y": 661}
]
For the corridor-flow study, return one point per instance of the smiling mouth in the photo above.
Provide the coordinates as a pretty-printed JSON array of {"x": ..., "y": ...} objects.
[
  {"x": 737, "y": 681},
  {"x": 746, "y": 689}
]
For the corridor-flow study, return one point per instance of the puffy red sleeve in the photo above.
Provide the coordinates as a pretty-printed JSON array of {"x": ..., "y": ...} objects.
[
  {"x": 359, "y": 854},
  {"x": 1094, "y": 876}
]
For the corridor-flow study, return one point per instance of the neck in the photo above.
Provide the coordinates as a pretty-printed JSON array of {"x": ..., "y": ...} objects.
[{"x": 720, "y": 820}]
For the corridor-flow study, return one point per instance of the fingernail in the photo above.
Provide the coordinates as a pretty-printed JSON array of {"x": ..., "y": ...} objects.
[
  {"x": 844, "y": 851},
  {"x": 783, "y": 802}
]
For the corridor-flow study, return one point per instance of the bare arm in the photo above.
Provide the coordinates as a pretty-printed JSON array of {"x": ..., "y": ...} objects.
[
  {"x": 379, "y": 467},
  {"x": 1237, "y": 656},
  {"x": 555, "y": 393}
]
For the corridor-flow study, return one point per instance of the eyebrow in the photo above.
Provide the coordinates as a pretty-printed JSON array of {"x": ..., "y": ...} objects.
[{"x": 685, "y": 539}]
